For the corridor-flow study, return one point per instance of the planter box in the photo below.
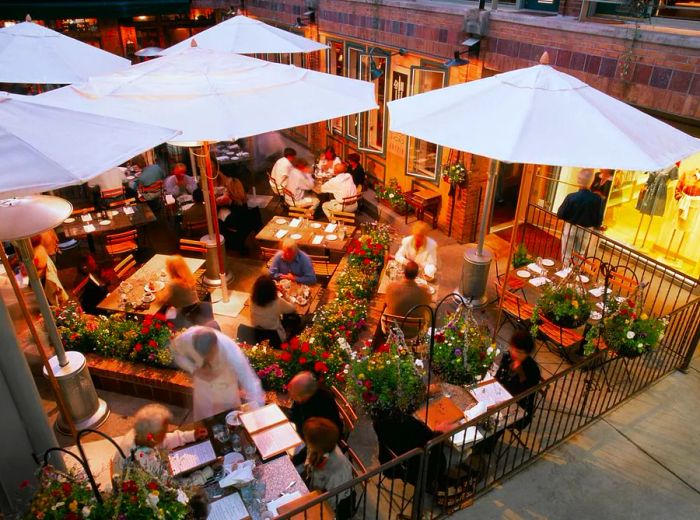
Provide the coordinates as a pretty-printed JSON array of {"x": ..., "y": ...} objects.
[{"x": 401, "y": 212}]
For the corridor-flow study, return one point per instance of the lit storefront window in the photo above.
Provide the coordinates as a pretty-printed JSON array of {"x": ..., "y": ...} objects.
[
  {"x": 375, "y": 70},
  {"x": 335, "y": 65},
  {"x": 422, "y": 155}
]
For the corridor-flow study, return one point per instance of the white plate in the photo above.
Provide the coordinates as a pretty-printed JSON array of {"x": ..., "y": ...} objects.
[
  {"x": 69, "y": 220},
  {"x": 523, "y": 273},
  {"x": 548, "y": 262},
  {"x": 105, "y": 222},
  {"x": 421, "y": 281},
  {"x": 280, "y": 221},
  {"x": 331, "y": 238},
  {"x": 595, "y": 315},
  {"x": 148, "y": 297},
  {"x": 583, "y": 278},
  {"x": 316, "y": 225},
  {"x": 130, "y": 177},
  {"x": 431, "y": 289},
  {"x": 159, "y": 286},
  {"x": 296, "y": 236}
]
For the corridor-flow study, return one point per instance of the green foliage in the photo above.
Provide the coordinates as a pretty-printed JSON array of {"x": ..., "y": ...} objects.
[
  {"x": 455, "y": 174},
  {"x": 387, "y": 381},
  {"x": 62, "y": 496},
  {"x": 564, "y": 304},
  {"x": 521, "y": 257},
  {"x": 392, "y": 194}
]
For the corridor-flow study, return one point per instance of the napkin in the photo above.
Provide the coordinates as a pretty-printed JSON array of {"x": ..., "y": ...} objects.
[
  {"x": 317, "y": 239},
  {"x": 539, "y": 281},
  {"x": 89, "y": 228},
  {"x": 230, "y": 459},
  {"x": 467, "y": 436},
  {"x": 284, "y": 499},
  {"x": 535, "y": 268},
  {"x": 563, "y": 273},
  {"x": 598, "y": 291},
  {"x": 330, "y": 228},
  {"x": 86, "y": 218},
  {"x": 430, "y": 270},
  {"x": 169, "y": 199},
  {"x": 295, "y": 222},
  {"x": 475, "y": 411},
  {"x": 240, "y": 476},
  {"x": 128, "y": 210},
  {"x": 601, "y": 307},
  {"x": 281, "y": 233}
]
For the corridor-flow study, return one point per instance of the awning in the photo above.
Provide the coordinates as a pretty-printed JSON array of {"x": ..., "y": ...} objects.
[{"x": 57, "y": 9}]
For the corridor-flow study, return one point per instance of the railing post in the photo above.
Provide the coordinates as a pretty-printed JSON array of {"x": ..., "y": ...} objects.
[{"x": 694, "y": 342}]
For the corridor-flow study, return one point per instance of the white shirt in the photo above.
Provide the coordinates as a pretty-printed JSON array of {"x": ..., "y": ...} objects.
[
  {"x": 280, "y": 172},
  {"x": 298, "y": 183},
  {"x": 341, "y": 186},
  {"x": 109, "y": 180},
  {"x": 234, "y": 381},
  {"x": 148, "y": 458},
  {"x": 425, "y": 256},
  {"x": 327, "y": 166}
]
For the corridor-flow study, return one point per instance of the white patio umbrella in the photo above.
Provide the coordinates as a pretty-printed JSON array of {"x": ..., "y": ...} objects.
[
  {"x": 45, "y": 148},
  {"x": 31, "y": 53},
  {"x": 537, "y": 115},
  {"x": 148, "y": 52},
  {"x": 244, "y": 35},
  {"x": 217, "y": 96}
]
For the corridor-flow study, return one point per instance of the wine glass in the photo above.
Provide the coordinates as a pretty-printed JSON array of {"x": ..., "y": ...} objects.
[
  {"x": 221, "y": 434},
  {"x": 236, "y": 442},
  {"x": 249, "y": 452}
]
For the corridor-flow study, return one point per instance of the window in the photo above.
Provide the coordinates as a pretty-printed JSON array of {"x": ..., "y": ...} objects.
[
  {"x": 374, "y": 69},
  {"x": 354, "y": 72},
  {"x": 423, "y": 155},
  {"x": 335, "y": 65}
]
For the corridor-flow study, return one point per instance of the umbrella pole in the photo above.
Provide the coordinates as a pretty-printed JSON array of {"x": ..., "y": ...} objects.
[
  {"x": 39, "y": 343},
  {"x": 523, "y": 195},
  {"x": 215, "y": 220}
]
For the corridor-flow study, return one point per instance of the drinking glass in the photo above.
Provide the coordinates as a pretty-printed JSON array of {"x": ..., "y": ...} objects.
[
  {"x": 221, "y": 433},
  {"x": 236, "y": 442},
  {"x": 249, "y": 452}
]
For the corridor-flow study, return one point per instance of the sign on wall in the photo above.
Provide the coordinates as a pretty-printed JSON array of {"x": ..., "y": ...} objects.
[{"x": 399, "y": 85}]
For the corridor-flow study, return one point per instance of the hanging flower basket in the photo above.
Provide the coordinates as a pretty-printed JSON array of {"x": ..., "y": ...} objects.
[
  {"x": 455, "y": 174},
  {"x": 565, "y": 305}
]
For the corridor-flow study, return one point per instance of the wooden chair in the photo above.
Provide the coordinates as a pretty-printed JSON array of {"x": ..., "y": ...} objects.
[
  {"x": 82, "y": 211},
  {"x": 350, "y": 201},
  {"x": 323, "y": 267},
  {"x": 150, "y": 192},
  {"x": 589, "y": 266},
  {"x": 563, "y": 340},
  {"x": 342, "y": 216},
  {"x": 114, "y": 193},
  {"x": 125, "y": 268},
  {"x": 77, "y": 291},
  {"x": 411, "y": 326},
  {"x": 196, "y": 246},
  {"x": 515, "y": 309},
  {"x": 267, "y": 254},
  {"x": 299, "y": 212},
  {"x": 123, "y": 202},
  {"x": 347, "y": 412},
  {"x": 623, "y": 281},
  {"x": 195, "y": 227},
  {"x": 514, "y": 283},
  {"x": 118, "y": 244},
  {"x": 277, "y": 192}
]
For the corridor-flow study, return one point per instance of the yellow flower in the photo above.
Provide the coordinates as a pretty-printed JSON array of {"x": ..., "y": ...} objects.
[
  {"x": 643, "y": 316},
  {"x": 574, "y": 304},
  {"x": 155, "y": 492},
  {"x": 361, "y": 376},
  {"x": 73, "y": 506}
]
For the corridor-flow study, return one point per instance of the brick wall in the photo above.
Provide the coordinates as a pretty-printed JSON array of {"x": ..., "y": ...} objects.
[{"x": 570, "y": 7}]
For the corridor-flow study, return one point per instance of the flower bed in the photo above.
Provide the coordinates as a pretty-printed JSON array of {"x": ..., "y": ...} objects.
[
  {"x": 391, "y": 195},
  {"x": 116, "y": 336}
]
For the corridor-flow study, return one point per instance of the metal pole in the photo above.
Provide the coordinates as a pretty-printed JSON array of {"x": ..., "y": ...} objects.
[
  {"x": 494, "y": 166},
  {"x": 25, "y": 250},
  {"x": 38, "y": 341},
  {"x": 215, "y": 221}
]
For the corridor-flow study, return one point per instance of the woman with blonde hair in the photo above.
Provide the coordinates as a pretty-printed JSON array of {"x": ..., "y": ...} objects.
[
  {"x": 181, "y": 291},
  {"x": 238, "y": 220}
]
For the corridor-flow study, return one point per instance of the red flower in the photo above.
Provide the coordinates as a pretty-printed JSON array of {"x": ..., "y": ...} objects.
[
  {"x": 170, "y": 325},
  {"x": 66, "y": 488},
  {"x": 145, "y": 330},
  {"x": 56, "y": 493},
  {"x": 384, "y": 347},
  {"x": 440, "y": 337},
  {"x": 305, "y": 347},
  {"x": 152, "y": 485},
  {"x": 368, "y": 384},
  {"x": 320, "y": 367},
  {"x": 285, "y": 346},
  {"x": 326, "y": 355},
  {"x": 24, "y": 484},
  {"x": 158, "y": 326},
  {"x": 70, "y": 515},
  {"x": 160, "y": 316},
  {"x": 302, "y": 360},
  {"x": 342, "y": 327},
  {"x": 73, "y": 336},
  {"x": 294, "y": 343},
  {"x": 152, "y": 343},
  {"x": 286, "y": 357},
  {"x": 366, "y": 261},
  {"x": 340, "y": 377},
  {"x": 369, "y": 397},
  {"x": 138, "y": 347},
  {"x": 149, "y": 437}
]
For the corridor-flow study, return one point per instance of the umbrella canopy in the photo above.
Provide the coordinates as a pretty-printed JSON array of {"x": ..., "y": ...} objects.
[
  {"x": 244, "y": 35},
  {"x": 31, "y": 53},
  {"x": 149, "y": 52},
  {"x": 28, "y": 216},
  {"x": 539, "y": 115},
  {"x": 217, "y": 96},
  {"x": 45, "y": 148}
]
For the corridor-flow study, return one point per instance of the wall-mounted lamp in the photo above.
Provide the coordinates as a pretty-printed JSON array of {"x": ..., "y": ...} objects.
[
  {"x": 308, "y": 16},
  {"x": 457, "y": 61},
  {"x": 377, "y": 72}
]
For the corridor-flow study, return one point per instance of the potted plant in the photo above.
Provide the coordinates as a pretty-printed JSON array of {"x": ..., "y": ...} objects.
[
  {"x": 627, "y": 331},
  {"x": 62, "y": 496},
  {"x": 564, "y": 304},
  {"x": 391, "y": 195},
  {"x": 455, "y": 174},
  {"x": 463, "y": 350},
  {"x": 521, "y": 257}
]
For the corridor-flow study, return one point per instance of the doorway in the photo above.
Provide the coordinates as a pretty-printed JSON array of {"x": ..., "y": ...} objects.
[{"x": 505, "y": 199}]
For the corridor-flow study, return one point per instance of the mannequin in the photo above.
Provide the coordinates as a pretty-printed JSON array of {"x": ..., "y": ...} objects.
[
  {"x": 652, "y": 197},
  {"x": 687, "y": 215}
]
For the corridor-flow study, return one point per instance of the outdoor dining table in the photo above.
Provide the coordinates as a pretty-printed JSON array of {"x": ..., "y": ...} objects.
[
  {"x": 306, "y": 234},
  {"x": 151, "y": 271},
  {"x": 394, "y": 271},
  {"x": 116, "y": 219}
]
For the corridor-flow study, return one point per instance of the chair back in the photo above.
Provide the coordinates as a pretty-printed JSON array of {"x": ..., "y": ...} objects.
[
  {"x": 350, "y": 201},
  {"x": 253, "y": 335},
  {"x": 78, "y": 289},
  {"x": 125, "y": 268},
  {"x": 268, "y": 253},
  {"x": 123, "y": 202},
  {"x": 276, "y": 188},
  {"x": 342, "y": 216},
  {"x": 289, "y": 196},
  {"x": 194, "y": 246},
  {"x": 298, "y": 212},
  {"x": 623, "y": 281},
  {"x": 118, "y": 244},
  {"x": 411, "y": 326},
  {"x": 195, "y": 227},
  {"x": 82, "y": 211},
  {"x": 347, "y": 412},
  {"x": 590, "y": 266},
  {"x": 114, "y": 193}
]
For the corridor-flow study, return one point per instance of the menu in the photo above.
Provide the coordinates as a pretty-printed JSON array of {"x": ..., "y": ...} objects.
[
  {"x": 191, "y": 457},
  {"x": 275, "y": 440},
  {"x": 262, "y": 418},
  {"x": 440, "y": 410},
  {"x": 492, "y": 394},
  {"x": 230, "y": 507}
]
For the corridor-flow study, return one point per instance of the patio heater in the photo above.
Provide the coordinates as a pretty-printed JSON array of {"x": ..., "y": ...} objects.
[
  {"x": 477, "y": 260},
  {"x": 21, "y": 218}
]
